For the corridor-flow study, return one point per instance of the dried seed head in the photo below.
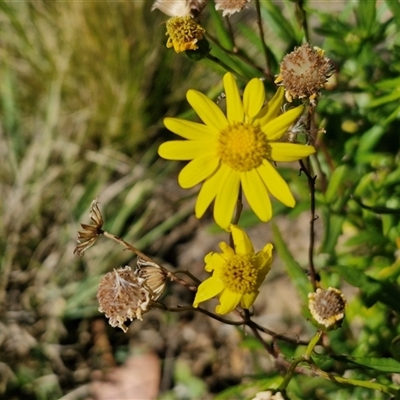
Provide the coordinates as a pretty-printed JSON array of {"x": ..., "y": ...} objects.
[
  {"x": 327, "y": 307},
  {"x": 304, "y": 73},
  {"x": 180, "y": 8},
  {"x": 122, "y": 295},
  {"x": 154, "y": 276},
  {"x": 88, "y": 237},
  {"x": 268, "y": 395},
  {"x": 229, "y": 7}
]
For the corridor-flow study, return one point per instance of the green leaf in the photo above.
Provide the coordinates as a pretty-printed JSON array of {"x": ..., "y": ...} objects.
[
  {"x": 333, "y": 229},
  {"x": 279, "y": 24},
  {"x": 374, "y": 290},
  {"x": 254, "y": 38},
  {"x": 368, "y": 141},
  {"x": 394, "y": 7},
  {"x": 218, "y": 23},
  {"x": 335, "y": 182},
  {"x": 296, "y": 273},
  {"x": 366, "y": 16},
  {"x": 389, "y": 365}
]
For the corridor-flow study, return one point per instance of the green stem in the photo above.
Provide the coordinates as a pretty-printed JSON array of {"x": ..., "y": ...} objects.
[
  {"x": 262, "y": 37},
  {"x": 306, "y": 357},
  {"x": 355, "y": 382},
  {"x": 302, "y": 18}
]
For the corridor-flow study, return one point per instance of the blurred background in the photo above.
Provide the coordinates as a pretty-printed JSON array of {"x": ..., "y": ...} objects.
[{"x": 84, "y": 87}]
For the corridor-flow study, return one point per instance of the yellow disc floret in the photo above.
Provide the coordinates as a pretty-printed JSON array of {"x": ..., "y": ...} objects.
[
  {"x": 240, "y": 274},
  {"x": 242, "y": 146},
  {"x": 184, "y": 33}
]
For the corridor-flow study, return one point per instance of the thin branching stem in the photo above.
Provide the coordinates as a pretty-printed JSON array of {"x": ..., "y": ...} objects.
[
  {"x": 190, "y": 275},
  {"x": 302, "y": 18},
  {"x": 128, "y": 246},
  {"x": 306, "y": 167},
  {"x": 174, "y": 278},
  {"x": 268, "y": 71}
]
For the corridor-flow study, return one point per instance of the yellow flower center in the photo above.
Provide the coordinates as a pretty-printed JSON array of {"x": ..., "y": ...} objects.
[
  {"x": 240, "y": 274},
  {"x": 242, "y": 146},
  {"x": 183, "y": 33}
]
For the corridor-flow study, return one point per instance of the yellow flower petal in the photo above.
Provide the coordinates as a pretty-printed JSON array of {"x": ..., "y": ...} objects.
[
  {"x": 242, "y": 242},
  {"x": 248, "y": 299},
  {"x": 197, "y": 171},
  {"x": 207, "y": 110},
  {"x": 264, "y": 261},
  {"x": 208, "y": 289},
  {"x": 276, "y": 184},
  {"x": 253, "y": 97},
  {"x": 272, "y": 109},
  {"x": 229, "y": 301},
  {"x": 275, "y": 129},
  {"x": 234, "y": 107},
  {"x": 184, "y": 149},
  {"x": 190, "y": 130},
  {"x": 257, "y": 195},
  {"x": 226, "y": 197},
  {"x": 290, "y": 151},
  {"x": 215, "y": 263},
  {"x": 227, "y": 251},
  {"x": 207, "y": 193}
]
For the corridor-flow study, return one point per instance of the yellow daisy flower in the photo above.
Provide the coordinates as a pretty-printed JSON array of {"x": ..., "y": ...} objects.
[
  {"x": 236, "y": 150},
  {"x": 237, "y": 273}
]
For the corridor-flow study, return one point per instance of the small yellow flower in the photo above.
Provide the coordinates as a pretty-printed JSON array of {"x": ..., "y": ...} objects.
[
  {"x": 327, "y": 307},
  {"x": 236, "y": 150},
  {"x": 304, "y": 72},
  {"x": 184, "y": 33},
  {"x": 237, "y": 273}
]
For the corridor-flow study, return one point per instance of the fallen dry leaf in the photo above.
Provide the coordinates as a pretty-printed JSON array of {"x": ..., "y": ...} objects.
[{"x": 137, "y": 379}]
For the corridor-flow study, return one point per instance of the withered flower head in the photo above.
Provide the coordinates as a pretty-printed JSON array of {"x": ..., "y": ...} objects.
[
  {"x": 327, "y": 307},
  {"x": 184, "y": 33},
  {"x": 154, "y": 276},
  {"x": 180, "y": 8},
  {"x": 88, "y": 237},
  {"x": 122, "y": 295},
  {"x": 229, "y": 7},
  {"x": 268, "y": 395},
  {"x": 304, "y": 73}
]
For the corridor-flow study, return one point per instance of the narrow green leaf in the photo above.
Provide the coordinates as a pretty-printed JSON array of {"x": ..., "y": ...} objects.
[
  {"x": 296, "y": 273},
  {"x": 335, "y": 182},
  {"x": 218, "y": 23},
  {"x": 389, "y": 365},
  {"x": 368, "y": 141},
  {"x": 373, "y": 289},
  {"x": 389, "y": 98},
  {"x": 394, "y": 7},
  {"x": 366, "y": 15},
  {"x": 274, "y": 17},
  {"x": 333, "y": 228}
]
